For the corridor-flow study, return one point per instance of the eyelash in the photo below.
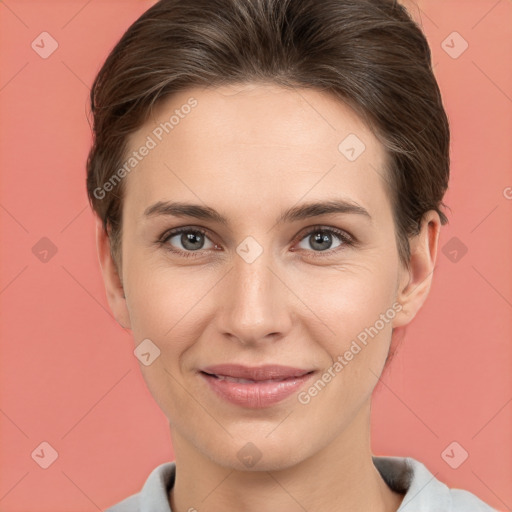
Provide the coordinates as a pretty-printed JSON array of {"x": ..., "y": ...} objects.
[{"x": 346, "y": 239}]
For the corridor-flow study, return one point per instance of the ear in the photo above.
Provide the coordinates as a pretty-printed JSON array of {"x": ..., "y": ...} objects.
[
  {"x": 415, "y": 282},
  {"x": 111, "y": 278}
]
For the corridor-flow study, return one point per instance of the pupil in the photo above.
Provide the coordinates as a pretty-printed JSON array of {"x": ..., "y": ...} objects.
[
  {"x": 319, "y": 238},
  {"x": 191, "y": 238}
]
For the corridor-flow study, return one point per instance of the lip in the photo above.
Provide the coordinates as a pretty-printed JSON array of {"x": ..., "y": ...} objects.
[{"x": 272, "y": 383}]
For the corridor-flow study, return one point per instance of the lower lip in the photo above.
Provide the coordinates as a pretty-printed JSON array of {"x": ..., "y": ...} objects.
[{"x": 255, "y": 395}]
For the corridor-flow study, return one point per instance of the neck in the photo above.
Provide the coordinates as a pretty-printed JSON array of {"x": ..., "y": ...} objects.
[{"x": 341, "y": 477}]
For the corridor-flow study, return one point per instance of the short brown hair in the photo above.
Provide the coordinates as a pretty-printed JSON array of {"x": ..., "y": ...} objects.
[{"x": 368, "y": 53}]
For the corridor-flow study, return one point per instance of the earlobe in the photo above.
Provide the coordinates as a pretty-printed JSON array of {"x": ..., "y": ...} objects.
[
  {"x": 416, "y": 281},
  {"x": 111, "y": 278}
]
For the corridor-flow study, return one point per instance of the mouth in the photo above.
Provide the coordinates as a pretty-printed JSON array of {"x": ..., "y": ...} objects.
[{"x": 255, "y": 388}]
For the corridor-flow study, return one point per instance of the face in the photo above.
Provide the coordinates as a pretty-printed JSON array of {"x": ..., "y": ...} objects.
[{"x": 274, "y": 282}]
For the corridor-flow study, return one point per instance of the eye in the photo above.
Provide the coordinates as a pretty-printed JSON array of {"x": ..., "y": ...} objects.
[
  {"x": 320, "y": 239},
  {"x": 191, "y": 240}
]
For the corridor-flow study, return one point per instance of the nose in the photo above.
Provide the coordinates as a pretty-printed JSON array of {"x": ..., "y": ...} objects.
[{"x": 254, "y": 303}]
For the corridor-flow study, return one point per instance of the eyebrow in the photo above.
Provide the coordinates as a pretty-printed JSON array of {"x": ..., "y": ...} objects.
[{"x": 296, "y": 213}]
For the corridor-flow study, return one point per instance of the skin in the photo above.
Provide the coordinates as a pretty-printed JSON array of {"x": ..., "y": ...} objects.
[{"x": 250, "y": 152}]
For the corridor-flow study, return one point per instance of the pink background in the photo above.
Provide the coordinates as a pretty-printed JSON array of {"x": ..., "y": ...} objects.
[{"x": 67, "y": 369}]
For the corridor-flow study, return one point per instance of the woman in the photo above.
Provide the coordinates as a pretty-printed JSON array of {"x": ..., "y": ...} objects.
[{"x": 268, "y": 178}]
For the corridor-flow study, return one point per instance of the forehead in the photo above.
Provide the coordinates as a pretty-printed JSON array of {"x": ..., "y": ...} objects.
[{"x": 255, "y": 143}]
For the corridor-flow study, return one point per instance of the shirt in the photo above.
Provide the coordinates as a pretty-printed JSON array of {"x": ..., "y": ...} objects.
[{"x": 423, "y": 492}]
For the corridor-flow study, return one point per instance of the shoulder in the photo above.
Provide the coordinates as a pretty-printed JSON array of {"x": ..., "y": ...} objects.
[
  {"x": 463, "y": 501},
  {"x": 422, "y": 490},
  {"x": 154, "y": 493}
]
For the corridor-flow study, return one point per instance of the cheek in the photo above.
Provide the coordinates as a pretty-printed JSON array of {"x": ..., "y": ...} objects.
[
  {"x": 355, "y": 354},
  {"x": 159, "y": 296},
  {"x": 163, "y": 306},
  {"x": 353, "y": 314},
  {"x": 348, "y": 299}
]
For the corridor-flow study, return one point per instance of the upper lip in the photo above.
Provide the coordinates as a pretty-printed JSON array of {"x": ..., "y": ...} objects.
[{"x": 266, "y": 372}]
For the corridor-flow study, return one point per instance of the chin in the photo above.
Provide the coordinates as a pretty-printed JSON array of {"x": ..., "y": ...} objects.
[{"x": 260, "y": 454}]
